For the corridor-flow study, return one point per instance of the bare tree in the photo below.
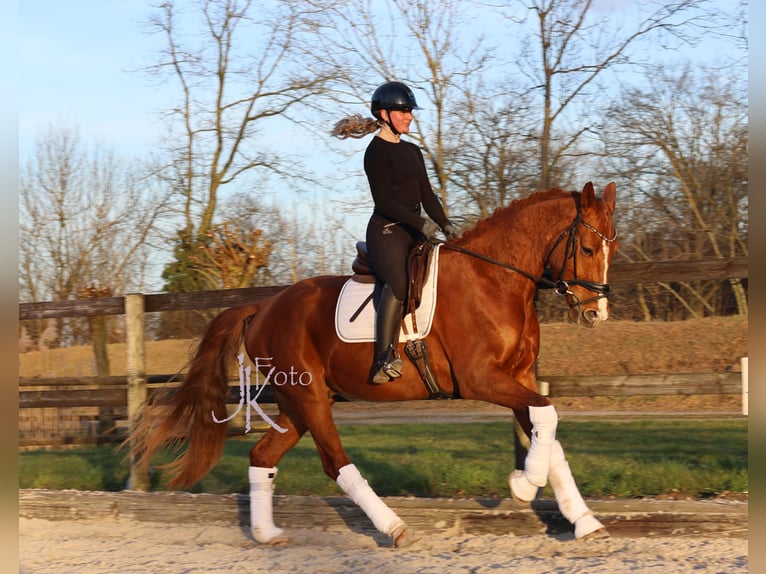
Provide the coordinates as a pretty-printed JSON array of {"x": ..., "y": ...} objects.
[
  {"x": 492, "y": 168},
  {"x": 685, "y": 137},
  {"x": 84, "y": 221},
  {"x": 575, "y": 46},
  {"x": 422, "y": 43},
  {"x": 238, "y": 67},
  {"x": 547, "y": 75}
]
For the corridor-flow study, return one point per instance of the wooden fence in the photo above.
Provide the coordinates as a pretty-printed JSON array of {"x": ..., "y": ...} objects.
[
  {"x": 619, "y": 274},
  {"x": 131, "y": 392}
]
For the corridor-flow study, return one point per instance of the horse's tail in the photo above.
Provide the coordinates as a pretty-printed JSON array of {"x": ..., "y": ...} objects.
[{"x": 182, "y": 418}]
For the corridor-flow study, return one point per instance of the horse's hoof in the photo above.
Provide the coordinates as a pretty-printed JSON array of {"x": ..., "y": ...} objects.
[
  {"x": 588, "y": 527},
  {"x": 275, "y": 537},
  {"x": 599, "y": 534},
  {"x": 523, "y": 492},
  {"x": 278, "y": 541},
  {"x": 405, "y": 536}
]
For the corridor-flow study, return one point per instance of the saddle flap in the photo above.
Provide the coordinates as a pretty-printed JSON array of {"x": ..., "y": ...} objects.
[{"x": 417, "y": 268}]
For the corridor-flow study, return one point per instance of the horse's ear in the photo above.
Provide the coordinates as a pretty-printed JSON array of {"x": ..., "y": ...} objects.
[
  {"x": 610, "y": 193},
  {"x": 588, "y": 195}
]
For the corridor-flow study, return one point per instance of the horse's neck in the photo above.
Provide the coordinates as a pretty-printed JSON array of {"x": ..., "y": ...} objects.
[{"x": 517, "y": 237}]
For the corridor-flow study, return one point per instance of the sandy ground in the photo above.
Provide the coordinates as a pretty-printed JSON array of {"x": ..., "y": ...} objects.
[{"x": 126, "y": 546}]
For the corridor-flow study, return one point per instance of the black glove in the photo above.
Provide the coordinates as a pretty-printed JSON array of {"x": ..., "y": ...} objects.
[
  {"x": 450, "y": 232},
  {"x": 429, "y": 229}
]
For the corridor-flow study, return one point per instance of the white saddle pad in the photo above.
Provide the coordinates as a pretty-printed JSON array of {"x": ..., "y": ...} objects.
[{"x": 362, "y": 328}]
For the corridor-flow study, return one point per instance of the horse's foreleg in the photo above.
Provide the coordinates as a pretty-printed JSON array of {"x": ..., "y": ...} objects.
[
  {"x": 535, "y": 431},
  {"x": 525, "y": 483},
  {"x": 568, "y": 497},
  {"x": 520, "y": 443}
]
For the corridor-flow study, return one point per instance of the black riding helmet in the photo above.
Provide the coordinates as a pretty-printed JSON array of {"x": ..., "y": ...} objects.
[{"x": 392, "y": 96}]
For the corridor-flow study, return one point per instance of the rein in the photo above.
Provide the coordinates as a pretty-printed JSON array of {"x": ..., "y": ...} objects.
[
  {"x": 560, "y": 286},
  {"x": 547, "y": 283}
]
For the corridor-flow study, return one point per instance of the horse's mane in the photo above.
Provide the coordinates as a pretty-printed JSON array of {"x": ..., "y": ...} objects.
[{"x": 515, "y": 206}]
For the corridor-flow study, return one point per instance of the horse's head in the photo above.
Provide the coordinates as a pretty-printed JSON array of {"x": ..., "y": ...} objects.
[{"x": 580, "y": 256}]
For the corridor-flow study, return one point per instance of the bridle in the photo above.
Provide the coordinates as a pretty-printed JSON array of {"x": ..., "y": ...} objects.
[{"x": 560, "y": 286}]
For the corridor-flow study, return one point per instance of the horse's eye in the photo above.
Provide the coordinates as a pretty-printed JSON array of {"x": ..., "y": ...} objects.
[{"x": 587, "y": 251}]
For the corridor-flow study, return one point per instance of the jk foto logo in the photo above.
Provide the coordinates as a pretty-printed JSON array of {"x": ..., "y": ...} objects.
[{"x": 277, "y": 378}]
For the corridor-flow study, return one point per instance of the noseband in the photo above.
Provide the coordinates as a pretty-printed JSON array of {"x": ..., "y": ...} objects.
[{"x": 562, "y": 287}]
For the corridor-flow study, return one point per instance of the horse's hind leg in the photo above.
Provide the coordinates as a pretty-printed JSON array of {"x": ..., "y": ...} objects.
[
  {"x": 264, "y": 457},
  {"x": 337, "y": 466},
  {"x": 381, "y": 515}
]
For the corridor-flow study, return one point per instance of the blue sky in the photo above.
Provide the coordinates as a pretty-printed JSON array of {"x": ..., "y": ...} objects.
[
  {"x": 75, "y": 59},
  {"x": 79, "y": 64},
  {"x": 75, "y": 62}
]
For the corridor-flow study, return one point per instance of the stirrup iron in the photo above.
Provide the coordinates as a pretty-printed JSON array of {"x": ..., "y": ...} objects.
[{"x": 387, "y": 367}]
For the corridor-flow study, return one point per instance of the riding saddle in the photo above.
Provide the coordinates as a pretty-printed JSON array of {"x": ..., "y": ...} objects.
[{"x": 417, "y": 269}]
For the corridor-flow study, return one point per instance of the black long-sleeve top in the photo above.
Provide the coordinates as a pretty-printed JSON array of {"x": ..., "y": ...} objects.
[{"x": 399, "y": 183}]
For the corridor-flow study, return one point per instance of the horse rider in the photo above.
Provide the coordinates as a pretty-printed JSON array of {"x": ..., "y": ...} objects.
[{"x": 401, "y": 190}]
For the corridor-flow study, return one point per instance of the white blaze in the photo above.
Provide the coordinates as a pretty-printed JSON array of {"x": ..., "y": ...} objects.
[{"x": 603, "y": 311}]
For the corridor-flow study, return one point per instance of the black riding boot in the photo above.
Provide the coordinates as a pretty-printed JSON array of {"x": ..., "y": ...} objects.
[{"x": 387, "y": 322}]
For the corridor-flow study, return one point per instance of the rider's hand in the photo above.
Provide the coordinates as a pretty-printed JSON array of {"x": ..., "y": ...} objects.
[{"x": 450, "y": 232}]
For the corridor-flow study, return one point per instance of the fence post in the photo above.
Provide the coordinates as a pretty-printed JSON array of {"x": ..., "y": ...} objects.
[
  {"x": 134, "y": 326},
  {"x": 744, "y": 386}
]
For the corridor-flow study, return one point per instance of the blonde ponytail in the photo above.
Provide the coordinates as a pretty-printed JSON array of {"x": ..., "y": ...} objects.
[{"x": 355, "y": 127}]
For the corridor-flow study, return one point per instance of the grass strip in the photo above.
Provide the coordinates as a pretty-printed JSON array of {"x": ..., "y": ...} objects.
[{"x": 631, "y": 458}]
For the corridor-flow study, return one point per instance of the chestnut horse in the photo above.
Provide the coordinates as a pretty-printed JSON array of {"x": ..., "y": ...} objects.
[{"x": 483, "y": 345}]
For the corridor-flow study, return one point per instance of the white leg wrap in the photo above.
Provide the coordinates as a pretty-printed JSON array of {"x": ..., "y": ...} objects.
[
  {"x": 359, "y": 490},
  {"x": 537, "y": 463},
  {"x": 262, "y": 524},
  {"x": 524, "y": 484},
  {"x": 568, "y": 497}
]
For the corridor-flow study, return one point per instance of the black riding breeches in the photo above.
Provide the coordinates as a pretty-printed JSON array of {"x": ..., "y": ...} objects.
[{"x": 388, "y": 244}]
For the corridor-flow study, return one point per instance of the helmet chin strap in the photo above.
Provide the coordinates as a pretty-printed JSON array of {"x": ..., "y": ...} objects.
[{"x": 390, "y": 124}]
